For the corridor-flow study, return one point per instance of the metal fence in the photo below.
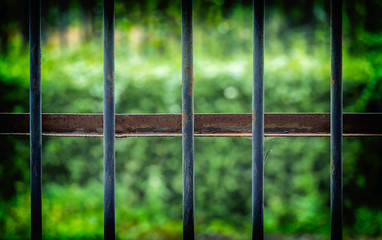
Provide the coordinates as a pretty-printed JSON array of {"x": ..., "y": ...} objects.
[{"x": 188, "y": 125}]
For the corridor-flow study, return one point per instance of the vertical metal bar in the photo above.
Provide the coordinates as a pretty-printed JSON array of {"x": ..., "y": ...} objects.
[
  {"x": 336, "y": 120},
  {"x": 35, "y": 117},
  {"x": 109, "y": 120},
  {"x": 258, "y": 122},
  {"x": 187, "y": 121}
]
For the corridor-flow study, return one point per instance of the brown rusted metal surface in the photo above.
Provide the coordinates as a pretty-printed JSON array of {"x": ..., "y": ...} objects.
[{"x": 206, "y": 125}]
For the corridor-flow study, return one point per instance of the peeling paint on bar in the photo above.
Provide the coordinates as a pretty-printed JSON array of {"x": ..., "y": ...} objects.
[{"x": 187, "y": 125}]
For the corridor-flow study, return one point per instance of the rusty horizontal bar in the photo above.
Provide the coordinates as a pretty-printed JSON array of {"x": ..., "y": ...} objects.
[{"x": 206, "y": 125}]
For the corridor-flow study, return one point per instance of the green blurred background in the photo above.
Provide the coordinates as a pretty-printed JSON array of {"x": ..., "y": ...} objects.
[{"x": 148, "y": 80}]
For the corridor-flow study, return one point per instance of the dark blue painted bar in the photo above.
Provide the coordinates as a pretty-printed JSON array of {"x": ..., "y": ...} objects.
[
  {"x": 35, "y": 117},
  {"x": 109, "y": 120},
  {"x": 258, "y": 122},
  {"x": 336, "y": 124},
  {"x": 187, "y": 121}
]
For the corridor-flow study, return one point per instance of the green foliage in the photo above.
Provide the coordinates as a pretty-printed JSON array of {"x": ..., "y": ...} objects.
[{"x": 148, "y": 170}]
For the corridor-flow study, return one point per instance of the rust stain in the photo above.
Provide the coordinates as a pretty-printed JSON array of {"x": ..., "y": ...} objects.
[
  {"x": 332, "y": 79},
  {"x": 187, "y": 70},
  {"x": 332, "y": 164},
  {"x": 110, "y": 88},
  {"x": 206, "y": 125},
  {"x": 253, "y": 115},
  {"x": 191, "y": 87},
  {"x": 185, "y": 135},
  {"x": 184, "y": 118},
  {"x": 184, "y": 102}
]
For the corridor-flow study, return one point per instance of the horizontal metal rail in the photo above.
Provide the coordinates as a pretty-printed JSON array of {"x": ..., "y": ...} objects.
[{"x": 206, "y": 125}]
